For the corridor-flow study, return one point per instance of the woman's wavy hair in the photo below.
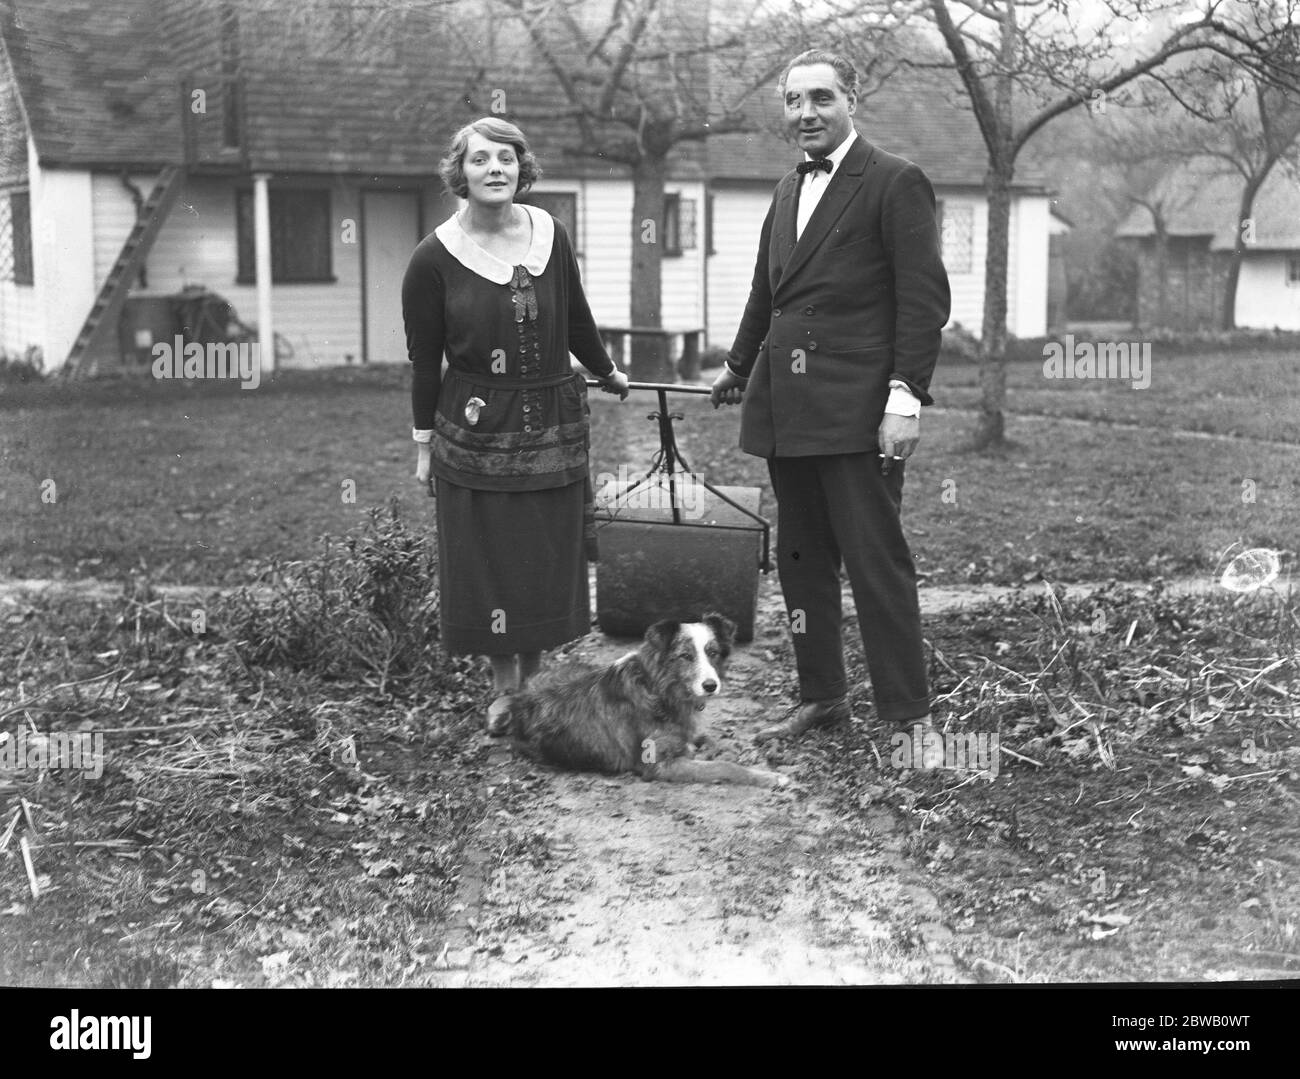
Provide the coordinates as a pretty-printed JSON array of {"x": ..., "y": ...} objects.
[{"x": 452, "y": 167}]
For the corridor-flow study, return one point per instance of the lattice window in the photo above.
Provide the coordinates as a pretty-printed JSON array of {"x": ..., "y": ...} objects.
[
  {"x": 679, "y": 224},
  {"x": 16, "y": 238},
  {"x": 6, "y": 241},
  {"x": 957, "y": 234}
]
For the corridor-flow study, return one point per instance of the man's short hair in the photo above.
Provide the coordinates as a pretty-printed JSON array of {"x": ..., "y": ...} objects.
[
  {"x": 845, "y": 73},
  {"x": 452, "y": 167}
]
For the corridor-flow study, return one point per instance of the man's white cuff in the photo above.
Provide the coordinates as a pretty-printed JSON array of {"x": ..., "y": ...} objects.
[
  {"x": 422, "y": 435},
  {"x": 902, "y": 401}
]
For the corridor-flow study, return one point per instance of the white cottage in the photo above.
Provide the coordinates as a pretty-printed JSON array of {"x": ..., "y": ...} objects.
[
  {"x": 147, "y": 147},
  {"x": 1199, "y": 205}
]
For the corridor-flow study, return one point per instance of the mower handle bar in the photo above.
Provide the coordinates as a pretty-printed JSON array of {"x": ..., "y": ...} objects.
[{"x": 656, "y": 386}]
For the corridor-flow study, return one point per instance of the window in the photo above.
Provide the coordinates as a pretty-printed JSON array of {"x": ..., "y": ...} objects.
[
  {"x": 20, "y": 218},
  {"x": 561, "y": 205},
  {"x": 1293, "y": 271},
  {"x": 679, "y": 224},
  {"x": 300, "y": 235},
  {"x": 957, "y": 235}
]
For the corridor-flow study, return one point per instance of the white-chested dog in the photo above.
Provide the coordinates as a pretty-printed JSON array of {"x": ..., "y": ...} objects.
[{"x": 636, "y": 715}]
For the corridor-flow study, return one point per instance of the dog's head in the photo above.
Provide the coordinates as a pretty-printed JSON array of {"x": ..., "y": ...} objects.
[{"x": 694, "y": 652}]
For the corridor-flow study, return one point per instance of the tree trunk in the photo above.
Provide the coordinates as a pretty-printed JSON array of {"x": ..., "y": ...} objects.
[
  {"x": 1228, "y": 317},
  {"x": 990, "y": 426},
  {"x": 1162, "y": 268},
  {"x": 650, "y": 362}
]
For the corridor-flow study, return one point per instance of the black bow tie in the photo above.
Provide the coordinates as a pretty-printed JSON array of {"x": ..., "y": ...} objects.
[{"x": 823, "y": 163}]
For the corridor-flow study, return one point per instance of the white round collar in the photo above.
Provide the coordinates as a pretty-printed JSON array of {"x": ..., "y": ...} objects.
[{"x": 465, "y": 251}]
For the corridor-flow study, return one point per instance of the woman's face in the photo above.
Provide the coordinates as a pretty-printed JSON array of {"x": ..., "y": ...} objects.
[{"x": 491, "y": 170}]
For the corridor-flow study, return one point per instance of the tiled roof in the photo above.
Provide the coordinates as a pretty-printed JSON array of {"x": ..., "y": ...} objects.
[
  {"x": 94, "y": 78},
  {"x": 1203, "y": 198},
  {"x": 100, "y": 81}
]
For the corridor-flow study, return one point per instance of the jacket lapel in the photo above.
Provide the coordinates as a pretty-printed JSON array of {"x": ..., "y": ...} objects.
[
  {"x": 784, "y": 225},
  {"x": 839, "y": 193}
]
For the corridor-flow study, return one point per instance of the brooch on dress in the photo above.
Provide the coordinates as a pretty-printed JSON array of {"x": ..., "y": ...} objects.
[
  {"x": 472, "y": 407},
  {"x": 524, "y": 295}
]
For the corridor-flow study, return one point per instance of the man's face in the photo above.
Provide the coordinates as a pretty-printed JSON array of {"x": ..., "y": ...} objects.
[{"x": 817, "y": 112}]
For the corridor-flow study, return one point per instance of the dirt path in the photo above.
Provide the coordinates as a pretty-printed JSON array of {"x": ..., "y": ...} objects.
[
  {"x": 587, "y": 880},
  {"x": 624, "y": 882},
  {"x": 934, "y": 598},
  {"x": 634, "y": 883}
]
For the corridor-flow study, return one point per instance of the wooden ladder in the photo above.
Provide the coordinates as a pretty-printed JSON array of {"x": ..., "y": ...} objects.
[{"x": 97, "y": 336}]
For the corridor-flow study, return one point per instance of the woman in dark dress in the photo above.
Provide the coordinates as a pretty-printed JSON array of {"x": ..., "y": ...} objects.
[{"x": 504, "y": 434}]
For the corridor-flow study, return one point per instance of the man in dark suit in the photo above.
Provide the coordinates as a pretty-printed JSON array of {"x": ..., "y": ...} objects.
[{"x": 833, "y": 361}]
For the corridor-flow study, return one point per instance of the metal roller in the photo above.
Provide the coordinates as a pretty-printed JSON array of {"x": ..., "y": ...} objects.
[{"x": 673, "y": 545}]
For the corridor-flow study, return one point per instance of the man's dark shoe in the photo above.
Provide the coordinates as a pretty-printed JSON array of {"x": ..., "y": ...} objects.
[{"x": 811, "y": 714}]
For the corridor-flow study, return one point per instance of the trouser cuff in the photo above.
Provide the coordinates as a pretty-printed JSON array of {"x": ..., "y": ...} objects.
[{"x": 903, "y": 711}]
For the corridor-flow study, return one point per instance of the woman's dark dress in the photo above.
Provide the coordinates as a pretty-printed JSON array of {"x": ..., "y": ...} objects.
[{"x": 512, "y": 471}]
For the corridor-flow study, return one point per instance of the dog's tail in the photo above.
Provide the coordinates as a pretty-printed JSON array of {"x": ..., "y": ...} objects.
[{"x": 501, "y": 717}]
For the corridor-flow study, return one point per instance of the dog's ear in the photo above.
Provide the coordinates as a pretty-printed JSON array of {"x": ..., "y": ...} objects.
[
  {"x": 723, "y": 627},
  {"x": 661, "y": 635}
]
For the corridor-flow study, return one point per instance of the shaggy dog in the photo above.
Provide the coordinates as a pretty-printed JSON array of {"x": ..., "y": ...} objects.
[{"x": 636, "y": 715}]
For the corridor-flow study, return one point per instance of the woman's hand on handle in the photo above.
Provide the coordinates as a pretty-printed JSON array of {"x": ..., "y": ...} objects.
[{"x": 615, "y": 383}]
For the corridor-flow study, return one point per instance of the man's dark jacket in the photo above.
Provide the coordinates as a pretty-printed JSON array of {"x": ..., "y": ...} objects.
[{"x": 859, "y": 299}]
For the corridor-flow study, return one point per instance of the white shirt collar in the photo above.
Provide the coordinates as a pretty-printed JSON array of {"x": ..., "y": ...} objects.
[
  {"x": 835, "y": 156},
  {"x": 465, "y": 251}
]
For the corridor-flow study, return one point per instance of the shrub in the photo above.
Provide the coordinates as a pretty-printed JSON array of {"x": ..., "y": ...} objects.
[
  {"x": 959, "y": 345},
  {"x": 366, "y": 606},
  {"x": 30, "y": 367}
]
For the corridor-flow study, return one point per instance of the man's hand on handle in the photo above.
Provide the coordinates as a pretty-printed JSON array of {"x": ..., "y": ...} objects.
[
  {"x": 727, "y": 388},
  {"x": 897, "y": 438}
]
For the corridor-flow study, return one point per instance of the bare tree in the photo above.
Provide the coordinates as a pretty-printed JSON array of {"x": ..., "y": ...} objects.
[
  {"x": 1023, "y": 63},
  {"x": 1139, "y": 151},
  {"x": 642, "y": 80},
  {"x": 1259, "y": 126}
]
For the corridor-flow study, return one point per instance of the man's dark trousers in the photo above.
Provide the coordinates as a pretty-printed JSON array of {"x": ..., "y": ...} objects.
[{"x": 841, "y": 508}]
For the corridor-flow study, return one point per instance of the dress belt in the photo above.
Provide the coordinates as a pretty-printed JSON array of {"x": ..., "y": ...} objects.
[{"x": 499, "y": 382}]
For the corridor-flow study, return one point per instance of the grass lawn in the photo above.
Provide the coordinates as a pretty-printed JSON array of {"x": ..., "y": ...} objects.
[
  {"x": 1252, "y": 394},
  {"x": 288, "y": 796},
  {"x": 202, "y": 483},
  {"x": 1129, "y": 833}
]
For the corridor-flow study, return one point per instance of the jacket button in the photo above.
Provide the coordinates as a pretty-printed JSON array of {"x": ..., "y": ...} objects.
[
  {"x": 810, "y": 310},
  {"x": 812, "y": 346},
  {"x": 776, "y": 312}
]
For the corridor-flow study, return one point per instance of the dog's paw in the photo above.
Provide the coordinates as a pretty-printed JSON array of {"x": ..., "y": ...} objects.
[
  {"x": 498, "y": 717},
  {"x": 772, "y": 780}
]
